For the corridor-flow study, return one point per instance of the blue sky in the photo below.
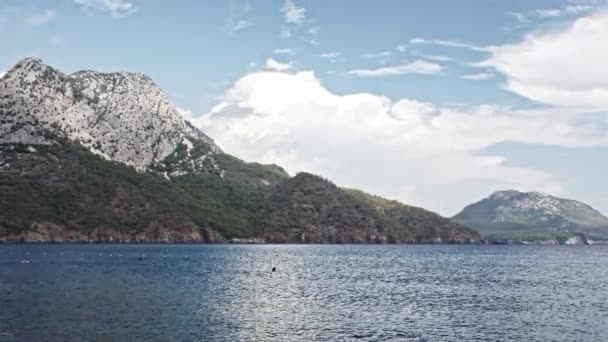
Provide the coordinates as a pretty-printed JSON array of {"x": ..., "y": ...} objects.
[{"x": 462, "y": 59}]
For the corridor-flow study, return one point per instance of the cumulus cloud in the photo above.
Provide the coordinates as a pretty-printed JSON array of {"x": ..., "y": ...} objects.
[
  {"x": 478, "y": 77},
  {"x": 2, "y": 74},
  {"x": 415, "y": 67},
  {"x": 116, "y": 8},
  {"x": 292, "y": 13},
  {"x": 272, "y": 64},
  {"x": 562, "y": 67},
  {"x": 413, "y": 151},
  {"x": 41, "y": 18}
]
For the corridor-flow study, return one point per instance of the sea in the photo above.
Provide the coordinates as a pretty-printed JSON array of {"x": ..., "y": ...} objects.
[{"x": 315, "y": 293}]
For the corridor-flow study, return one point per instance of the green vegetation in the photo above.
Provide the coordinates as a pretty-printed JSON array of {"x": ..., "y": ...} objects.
[
  {"x": 229, "y": 204},
  {"x": 311, "y": 209},
  {"x": 66, "y": 185}
]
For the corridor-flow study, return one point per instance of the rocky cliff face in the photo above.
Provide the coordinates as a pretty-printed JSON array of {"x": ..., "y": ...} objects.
[
  {"x": 122, "y": 117},
  {"x": 532, "y": 215}
]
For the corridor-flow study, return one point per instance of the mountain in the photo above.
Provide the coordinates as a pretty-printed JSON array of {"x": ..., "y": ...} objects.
[
  {"x": 533, "y": 216},
  {"x": 106, "y": 157},
  {"x": 122, "y": 117}
]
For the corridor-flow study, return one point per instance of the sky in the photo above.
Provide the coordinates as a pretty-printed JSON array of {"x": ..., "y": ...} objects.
[{"x": 433, "y": 103}]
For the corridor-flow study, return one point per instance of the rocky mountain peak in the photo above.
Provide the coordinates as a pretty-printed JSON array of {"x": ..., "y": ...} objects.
[{"x": 124, "y": 117}]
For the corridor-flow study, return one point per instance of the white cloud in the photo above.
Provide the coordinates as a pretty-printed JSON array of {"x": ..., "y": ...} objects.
[
  {"x": 416, "y": 152},
  {"x": 237, "y": 18},
  {"x": 116, "y": 8},
  {"x": 283, "y": 51},
  {"x": 551, "y": 13},
  {"x": 548, "y": 13},
  {"x": 478, "y": 77},
  {"x": 330, "y": 55},
  {"x": 272, "y": 64},
  {"x": 186, "y": 113},
  {"x": 312, "y": 41},
  {"x": 378, "y": 54},
  {"x": 242, "y": 24},
  {"x": 451, "y": 43},
  {"x": 314, "y": 29},
  {"x": 521, "y": 17},
  {"x": 2, "y": 74},
  {"x": 562, "y": 67},
  {"x": 293, "y": 14},
  {"x": 401, "y": 48},
  {"x": 41, "y": 18},
  {"x": 438, "y": 58},
  {"x": 415, "y": 67}
]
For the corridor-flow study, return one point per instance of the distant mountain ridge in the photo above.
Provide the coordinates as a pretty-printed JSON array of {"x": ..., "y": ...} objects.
[
  {"x": 533, "y": 216},
  {"x": 106, "y": 157}
]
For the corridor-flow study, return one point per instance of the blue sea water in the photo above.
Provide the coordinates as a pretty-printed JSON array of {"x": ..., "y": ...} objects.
[{"x": 318, "y": 293}]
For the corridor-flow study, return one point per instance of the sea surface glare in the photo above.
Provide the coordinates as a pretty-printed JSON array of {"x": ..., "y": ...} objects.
[{"x": 316, "y": 293}]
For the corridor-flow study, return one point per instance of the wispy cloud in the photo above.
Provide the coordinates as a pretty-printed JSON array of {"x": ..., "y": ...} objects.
[
  {"x": 272, "y": 64},
  {"x": 329, "y": 55},
  {"x": 378, "y": 54},
  {"x": 478, "y": 77},
  {"x": 283, "y": 51},
  {"x": 292, "y": 13},
  {"x": 451, "y": 43},
  {"x": 416, "y": 67},
  {"x": 438, "y": 58},
  {"x": 314, "y": 29},
  {"x": 285, "y": 33},
  {"x": 312, "y": 41},
  {"x": 550, "y": 13},
  {"x": 41, "y": 18},
  {"x": 116, "y": 8},
  {"x": 237, "y": 16},
  {"x": 242, "y": 24},
  {"x": 401, "y": 48}
]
